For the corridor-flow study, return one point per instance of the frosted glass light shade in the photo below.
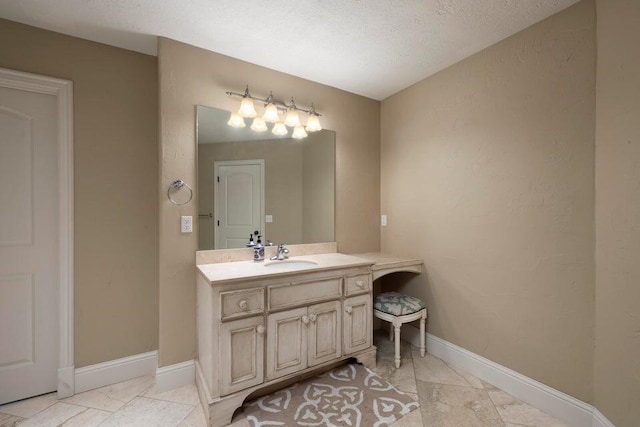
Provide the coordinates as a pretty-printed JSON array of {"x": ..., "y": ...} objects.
[
  {"x": 236, "y": 121},
  {"x": 258, "y": 125},
  {"x": 270, "y": 113},
  {"x": 279, "y": 129},
  {"x": 313, "y": 123},
  {"x": 298, "y": 132},
  {"x": 292, "y": 119},
  {"x": 246, "y": 108}
]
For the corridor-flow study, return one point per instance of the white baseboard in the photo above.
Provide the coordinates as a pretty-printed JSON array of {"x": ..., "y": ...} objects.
[
  {"x": 114, "y": 371},
  {"x": 66, "y": 382},
  {"x": 177, "y": 375},
  {"x": 600, "y": 420},
  {"x": 554, "y": 402}
]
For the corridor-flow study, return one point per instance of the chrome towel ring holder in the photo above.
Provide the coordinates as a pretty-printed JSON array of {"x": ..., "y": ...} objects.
[{"x": 176, "y": 186}]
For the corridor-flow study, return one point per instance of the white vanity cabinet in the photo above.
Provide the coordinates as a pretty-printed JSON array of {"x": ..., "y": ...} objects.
[{"x": 260, "y": 331}]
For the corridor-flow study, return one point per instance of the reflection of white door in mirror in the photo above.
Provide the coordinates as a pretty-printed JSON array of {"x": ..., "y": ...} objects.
[{"x": 238, "y": 201}]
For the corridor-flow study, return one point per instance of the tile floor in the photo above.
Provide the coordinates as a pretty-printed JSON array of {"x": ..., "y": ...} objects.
[{"x": 448, "y": 397}]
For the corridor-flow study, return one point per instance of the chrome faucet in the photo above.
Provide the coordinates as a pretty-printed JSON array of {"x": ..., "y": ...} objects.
[{"x": 281, "y": 254}]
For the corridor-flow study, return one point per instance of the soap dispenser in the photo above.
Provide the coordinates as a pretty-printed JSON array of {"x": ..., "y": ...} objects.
[
  {"x": 250, "y": 243},
  {"x": 258, "y": 250}
]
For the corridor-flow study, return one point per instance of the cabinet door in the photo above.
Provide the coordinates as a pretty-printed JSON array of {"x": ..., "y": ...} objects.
[
  {"x": 286, "y": 342},
  {"x": 325, "y": 332},
  {"x": 241, "y": 354},
  {"x": 358, "y": 325}
]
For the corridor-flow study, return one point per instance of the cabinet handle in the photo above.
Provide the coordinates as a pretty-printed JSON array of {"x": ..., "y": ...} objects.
[
  {"x": 260, "y": 329},
  {"x": 243, "y": 304},
  {"x": 305, "y": 319},
  {"x": 348, "y": 309},
  {"x": 313, "y": 317},
  {"x": 360, "y": 284}
]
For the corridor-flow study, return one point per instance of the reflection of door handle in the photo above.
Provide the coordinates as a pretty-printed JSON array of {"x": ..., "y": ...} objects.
[{"x": 209, "y": 215}]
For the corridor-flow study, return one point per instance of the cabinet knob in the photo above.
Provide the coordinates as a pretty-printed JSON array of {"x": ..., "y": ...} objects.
[
  {"x": 348, "y": 309},
  {"x": 305, "y": 319},
  {"x": 260, "y": 329},
  {"x": 313, "y": 317},
  {"x": 243, "y": 304},
  {"x": 360, "y": 284}
]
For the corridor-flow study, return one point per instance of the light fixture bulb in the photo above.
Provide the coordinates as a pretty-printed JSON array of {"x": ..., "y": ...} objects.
[
  {"x": 279, "y": 129},
  {"x": 258, "y": 125},
  {"x": 270, "y": 113},
  {"x": 298, "y": 132},
  {"x": 313, "y": 123},
  {"x": 246, "y": 108},
  {"x": 292, "y": 119},
  {"x": 236, "y": 121}
]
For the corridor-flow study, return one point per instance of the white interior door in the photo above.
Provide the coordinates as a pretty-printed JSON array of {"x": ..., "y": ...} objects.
[
  {"x": 29, "y": 252},
  {"x": 238, "y": 202}
]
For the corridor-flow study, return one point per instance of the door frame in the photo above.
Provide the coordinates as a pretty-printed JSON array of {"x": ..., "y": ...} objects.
[
  {"x": 63, "y": 91},
  {"x": 216, "y": 166}
]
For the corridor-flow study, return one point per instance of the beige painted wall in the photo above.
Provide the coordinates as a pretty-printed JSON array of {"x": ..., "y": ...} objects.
[
  {"x": 617, "y": 360},
  {"x": 488, "y": 175},
  {"x": 116, "y": 214},
  {"x": 283, "y": 185},
  {"x": 190, "y": 76}
]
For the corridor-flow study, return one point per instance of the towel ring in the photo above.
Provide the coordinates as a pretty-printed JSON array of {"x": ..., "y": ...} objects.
[{"x": 179, "y": 185}]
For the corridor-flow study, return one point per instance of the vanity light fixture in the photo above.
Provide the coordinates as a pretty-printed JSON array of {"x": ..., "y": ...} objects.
[
  {"x": 259, "y": 125},
  {"x": 279, "y": 129},
  {"x": 236, "y": 121},
  {"x": 313, "y": 122},
  {"x": 247, "y": 108},
  {"x": 271, "y": 114},
  {"x": 292, "y": 119},
  {"x": 298, "y": 132}
]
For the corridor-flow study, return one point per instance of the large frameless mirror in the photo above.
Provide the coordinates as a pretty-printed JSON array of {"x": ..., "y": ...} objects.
[{"x": 249, "y": 181}]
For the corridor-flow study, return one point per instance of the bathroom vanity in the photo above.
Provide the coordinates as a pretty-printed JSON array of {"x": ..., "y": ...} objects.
[{"x": 263, "y": 325}]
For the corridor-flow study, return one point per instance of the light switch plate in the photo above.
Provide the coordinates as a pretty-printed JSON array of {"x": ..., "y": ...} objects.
[
  {"x": 383, "y": 220},
  {"x": 186, "y": 224},
  {"x": 268, "y": 218}
]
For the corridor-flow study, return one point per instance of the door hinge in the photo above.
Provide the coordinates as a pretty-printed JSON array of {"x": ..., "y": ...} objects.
[
  {"x": 218, "y": 223},
  {"x": 218, "y": 179}
]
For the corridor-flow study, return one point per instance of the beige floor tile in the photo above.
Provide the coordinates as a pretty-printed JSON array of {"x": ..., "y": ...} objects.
[
  {"x": 54, "y": 415},
  {"x": 7, "y": 420},
  {"x": 386, "y": 347},
  {"x": 402, "y": 378},
  {"x": 29, "y": 407},
  {"x": 412, "y": 419},
  {"x": 194, "y": 419},
  {"x": 488, "y": 387},
  {"x": 89, "y": 418},
  {"x": 143, "y": 411},
  {"x": 472, "y": 380},
  {"x": 514, "y": 411},
  {"x": 445, "y": 405},
  {"x": 433, "y": 370},
  {"x": 112, "y": 397},
  {"x": 187, "y": 395}
]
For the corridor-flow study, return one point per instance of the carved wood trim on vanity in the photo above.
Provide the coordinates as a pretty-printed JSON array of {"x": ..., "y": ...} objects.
[{"x": 258, "y": 333}]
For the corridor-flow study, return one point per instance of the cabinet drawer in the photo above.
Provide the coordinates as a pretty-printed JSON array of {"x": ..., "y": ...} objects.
[
  {"x": 296, "y": 294},
  {"x": 358, "y": 284},
  {"x": 241, "y": 303}
]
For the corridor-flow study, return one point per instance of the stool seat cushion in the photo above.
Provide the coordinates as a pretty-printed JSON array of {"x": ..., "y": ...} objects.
[{"x": 397, "y": 304}]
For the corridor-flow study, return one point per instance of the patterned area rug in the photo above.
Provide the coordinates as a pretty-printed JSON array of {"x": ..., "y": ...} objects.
[{"x": 350, "y": 395}]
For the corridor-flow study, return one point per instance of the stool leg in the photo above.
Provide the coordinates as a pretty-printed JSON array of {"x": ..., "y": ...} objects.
[
  {"x": 391, "y": 332},
  {"x": 397, "y": 337},
  {"x": 422, "y": 334}
]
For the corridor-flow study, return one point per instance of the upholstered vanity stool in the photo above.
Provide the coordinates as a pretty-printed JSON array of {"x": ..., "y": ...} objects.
[{"x": 397, "y": 309}]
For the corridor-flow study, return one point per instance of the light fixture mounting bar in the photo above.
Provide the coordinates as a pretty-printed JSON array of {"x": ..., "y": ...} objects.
[{"x": 278, "y": 103}]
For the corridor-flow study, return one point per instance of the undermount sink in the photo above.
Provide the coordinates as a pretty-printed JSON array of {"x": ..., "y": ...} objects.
[{"x": 290, "y": 264}]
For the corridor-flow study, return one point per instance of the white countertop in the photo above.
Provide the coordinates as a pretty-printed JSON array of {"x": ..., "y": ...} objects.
[{"x": 226, "y": 272}]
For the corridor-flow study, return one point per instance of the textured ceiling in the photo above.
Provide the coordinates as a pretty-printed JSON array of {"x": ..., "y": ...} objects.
[{"x": 370, "y": 47}]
